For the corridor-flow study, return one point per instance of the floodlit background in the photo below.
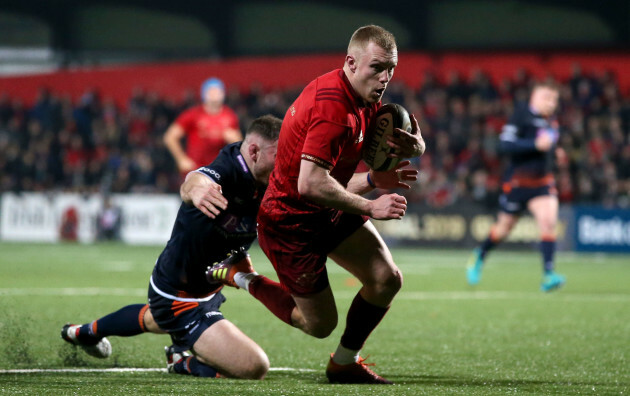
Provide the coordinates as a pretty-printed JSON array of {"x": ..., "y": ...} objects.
[{"x": 88, "y": 88}]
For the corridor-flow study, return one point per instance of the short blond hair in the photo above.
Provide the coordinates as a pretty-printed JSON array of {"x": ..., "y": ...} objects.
[{"x": 372, "y": 33}]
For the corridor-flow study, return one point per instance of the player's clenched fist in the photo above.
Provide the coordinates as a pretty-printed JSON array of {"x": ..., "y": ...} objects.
[{"x": 387, "y": 207}]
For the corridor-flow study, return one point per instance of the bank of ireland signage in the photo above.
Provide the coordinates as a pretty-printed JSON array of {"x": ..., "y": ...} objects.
[{"x": 602, "y": 230}]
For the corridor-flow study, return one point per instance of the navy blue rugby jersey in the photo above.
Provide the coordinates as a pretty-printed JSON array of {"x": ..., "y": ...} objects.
[
  {"x": 198, "y": 241},
  {"x": 517, "y": 141}
]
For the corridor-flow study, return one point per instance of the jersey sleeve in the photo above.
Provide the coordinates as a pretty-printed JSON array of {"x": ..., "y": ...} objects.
[
  {"x": 512, "y": 140},
  {"x": 328, "y": 131},
  {"x": 218, "y": 171}
]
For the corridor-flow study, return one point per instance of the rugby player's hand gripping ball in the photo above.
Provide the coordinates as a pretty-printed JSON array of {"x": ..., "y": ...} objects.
[{"x": 376, "y": 151}]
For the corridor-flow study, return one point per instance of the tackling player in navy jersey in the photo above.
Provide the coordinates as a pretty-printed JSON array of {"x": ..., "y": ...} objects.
[
  {"x": 529, "y": 139},
  {"x": 217, "y": 215}
]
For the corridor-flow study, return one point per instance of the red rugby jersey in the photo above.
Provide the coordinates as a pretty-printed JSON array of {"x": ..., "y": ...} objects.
[
  {"x": 324, "y": 125},
  {"x": 204, "y": 132}
]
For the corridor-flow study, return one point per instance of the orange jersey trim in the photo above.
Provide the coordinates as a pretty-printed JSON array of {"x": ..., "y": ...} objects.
[
  {"x": 530, "y": 182},
  {"x": 179, "y": 307},
  {"x": 141, "y": 317},
  {"x": 548, "y": 237}
]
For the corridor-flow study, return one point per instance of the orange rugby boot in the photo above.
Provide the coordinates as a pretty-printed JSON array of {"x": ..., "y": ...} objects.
[
  {"x": 224, "y": 271},
  {"x": 353, "y": 373}
]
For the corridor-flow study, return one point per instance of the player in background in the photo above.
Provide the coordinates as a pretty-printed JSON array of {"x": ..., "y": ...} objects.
[
  {"x": 218, "y": 214},
  {"x": 529, "y": 139},
  {"x": 207, "y": 128},
  {"x": 313, "y": 208}
]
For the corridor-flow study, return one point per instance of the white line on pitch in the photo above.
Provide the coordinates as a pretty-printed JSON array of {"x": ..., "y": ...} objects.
[
  {"x": 73, "y": 291},
  {"x": 123, "y": 370},
  {"x": 500, "y": 295},
  {"x": 403, "y": 295}
]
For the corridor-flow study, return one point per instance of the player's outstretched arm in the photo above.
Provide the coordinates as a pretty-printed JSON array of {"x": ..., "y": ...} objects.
[{"x": 199, "y": 190}]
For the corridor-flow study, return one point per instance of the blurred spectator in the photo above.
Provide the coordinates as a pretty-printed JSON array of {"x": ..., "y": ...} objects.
[
  {"x": 95, "y": 146},
  {"x": 69, "y": 229},
  {"x": 109, "y": 221}
]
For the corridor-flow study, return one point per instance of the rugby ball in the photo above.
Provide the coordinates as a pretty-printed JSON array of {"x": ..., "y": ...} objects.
[{"x": 383, "y": 124}]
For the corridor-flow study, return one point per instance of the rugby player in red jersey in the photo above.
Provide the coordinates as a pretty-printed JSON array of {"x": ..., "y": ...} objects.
[
  {"x": 207, "y": 128},
  {"x": 312, "y": 209}
]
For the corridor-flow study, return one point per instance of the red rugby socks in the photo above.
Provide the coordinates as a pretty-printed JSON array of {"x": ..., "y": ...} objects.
[
  {"x": 273, "y": 296},
  {"x": 362, "y": 318}
]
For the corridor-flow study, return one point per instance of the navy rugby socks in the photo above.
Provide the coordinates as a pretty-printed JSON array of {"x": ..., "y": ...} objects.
[
  {"x": 486, "y": 246},
  {"x": 192, "y": 366},
  {"x": 547, "y": 249},
  {"x": 127, "y": 321}
]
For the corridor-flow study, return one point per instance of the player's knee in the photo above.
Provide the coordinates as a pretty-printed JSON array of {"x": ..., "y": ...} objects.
[
  {"x": 321, "y": 328},
  {"x": 390, "y": 283},
  {"x": 498, "y": 233},
  {"x": 321, "y": 332},
  {"x": 548, "y": 229},
  {"x": 258, "y": 366},
  {"x": 394, "y": 281}
]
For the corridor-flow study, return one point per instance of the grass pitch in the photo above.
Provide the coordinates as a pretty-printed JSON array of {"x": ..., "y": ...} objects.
[{"x": 440, "y": 336}]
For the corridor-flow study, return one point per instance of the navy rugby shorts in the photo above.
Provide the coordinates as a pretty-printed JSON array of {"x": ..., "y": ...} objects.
[
  {"x": 514, "y": 201},
  {"x": 184, "y": 319}
]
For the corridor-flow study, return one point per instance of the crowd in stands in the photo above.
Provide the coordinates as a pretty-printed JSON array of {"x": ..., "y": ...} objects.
[{"x": 94, "y": 145}]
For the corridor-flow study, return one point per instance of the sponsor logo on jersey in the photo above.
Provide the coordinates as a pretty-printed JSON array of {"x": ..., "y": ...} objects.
[
  {"x": 243, "y": 164},
  {"x": 237, "y": 225},
  {"x": 360, "y": 138},
  {"x": 193, "y": 329},
  {"x": 211, "y": 172},
  {"x": 508, "y": 133}
]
